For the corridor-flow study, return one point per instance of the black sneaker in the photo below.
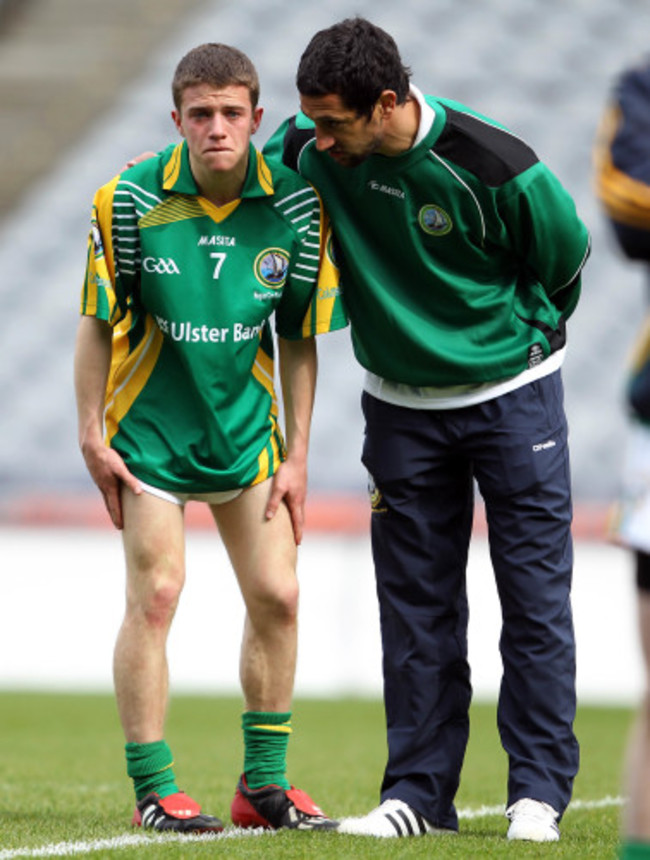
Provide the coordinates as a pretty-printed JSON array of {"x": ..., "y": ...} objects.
[
  {"x": 175, "y": 812},
  {"x": 273, "y": 807}
]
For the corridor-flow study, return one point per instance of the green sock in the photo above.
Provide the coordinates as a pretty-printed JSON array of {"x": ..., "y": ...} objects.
[
  {"x": 150, "y": 768},
  {"x": 633, "y": 850},
  {"x": 266, "y": 735}
]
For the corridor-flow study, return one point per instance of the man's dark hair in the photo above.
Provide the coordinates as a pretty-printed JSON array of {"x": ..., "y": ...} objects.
[{"x": 355, "y": 60}]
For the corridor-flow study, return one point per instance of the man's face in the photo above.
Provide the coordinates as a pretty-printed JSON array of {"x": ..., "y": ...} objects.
[
  {"x": 217, "y": 125},
  {"x": 347, "y": 137}
]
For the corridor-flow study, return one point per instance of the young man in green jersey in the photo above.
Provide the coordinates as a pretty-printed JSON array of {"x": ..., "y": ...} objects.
[
  {"x": 461, "y": 258},
  {"x": 191, "y": 254}
]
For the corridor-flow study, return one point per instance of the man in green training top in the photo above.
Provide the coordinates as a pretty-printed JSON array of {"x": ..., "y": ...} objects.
[
  {"x": 461, "y": 257},
  {"x": 190, "y": 255}
]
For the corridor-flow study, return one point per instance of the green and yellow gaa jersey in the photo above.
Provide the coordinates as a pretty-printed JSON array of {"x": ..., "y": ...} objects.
[{"x": 189, "y": 289}]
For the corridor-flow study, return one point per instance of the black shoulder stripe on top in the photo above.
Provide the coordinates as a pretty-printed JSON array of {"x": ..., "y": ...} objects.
[
  {"x": 490, "y": 153},
  {"x": 294, "y": 140}
]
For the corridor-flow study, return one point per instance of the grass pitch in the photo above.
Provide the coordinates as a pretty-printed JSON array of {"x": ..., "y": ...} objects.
[{"x": 64, "y": 790}]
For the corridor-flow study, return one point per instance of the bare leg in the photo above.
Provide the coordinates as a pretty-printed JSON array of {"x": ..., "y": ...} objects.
[
  {"x": 155, "y": 566},
  {"x": 263, "y": 555}
]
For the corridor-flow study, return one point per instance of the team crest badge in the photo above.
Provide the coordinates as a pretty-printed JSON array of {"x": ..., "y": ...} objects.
[
  {"x": 434, "y": 220},
  {"x": 271, "y": 267}
]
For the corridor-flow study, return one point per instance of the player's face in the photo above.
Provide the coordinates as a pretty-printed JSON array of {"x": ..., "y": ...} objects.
[
  {"x": 217, "y": 125},
  {"x": 347, "y": 137}
]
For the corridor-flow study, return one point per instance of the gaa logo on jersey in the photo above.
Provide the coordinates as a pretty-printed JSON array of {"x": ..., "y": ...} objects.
[
  {"x": 434, "y": 220},
  {"x": 271, "y": 267}
]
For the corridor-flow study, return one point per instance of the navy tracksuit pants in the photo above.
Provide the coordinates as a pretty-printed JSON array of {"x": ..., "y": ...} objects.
[{"x": 423, "y": 464}]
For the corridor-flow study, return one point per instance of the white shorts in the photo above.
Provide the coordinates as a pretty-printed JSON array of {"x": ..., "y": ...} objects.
[
  {"x": 216, "y": 498},
  {"x": 630, "y": 525}
]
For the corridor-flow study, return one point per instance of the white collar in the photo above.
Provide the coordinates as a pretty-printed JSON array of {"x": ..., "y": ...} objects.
[{"x": 427, "y": 114}]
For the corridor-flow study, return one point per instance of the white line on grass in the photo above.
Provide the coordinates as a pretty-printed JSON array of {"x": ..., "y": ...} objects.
[
  {"x": 69, "y": 849},
  {"x": 574, "y": 806}
]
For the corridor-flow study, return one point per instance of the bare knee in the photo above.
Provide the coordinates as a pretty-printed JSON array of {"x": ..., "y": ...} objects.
[
  {"x": 153, "y": 594},
  {"x": 277, "y": 604},
  {"x": 160, "y": 606}
]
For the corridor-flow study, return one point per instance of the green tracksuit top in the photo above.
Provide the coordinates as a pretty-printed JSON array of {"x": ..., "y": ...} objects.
[
  {"x": 460, "y": 258},
  {"x": 189, "y": 289}
]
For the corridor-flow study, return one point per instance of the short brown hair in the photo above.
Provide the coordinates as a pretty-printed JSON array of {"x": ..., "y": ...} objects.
[{"x": 218, "y": 65}]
